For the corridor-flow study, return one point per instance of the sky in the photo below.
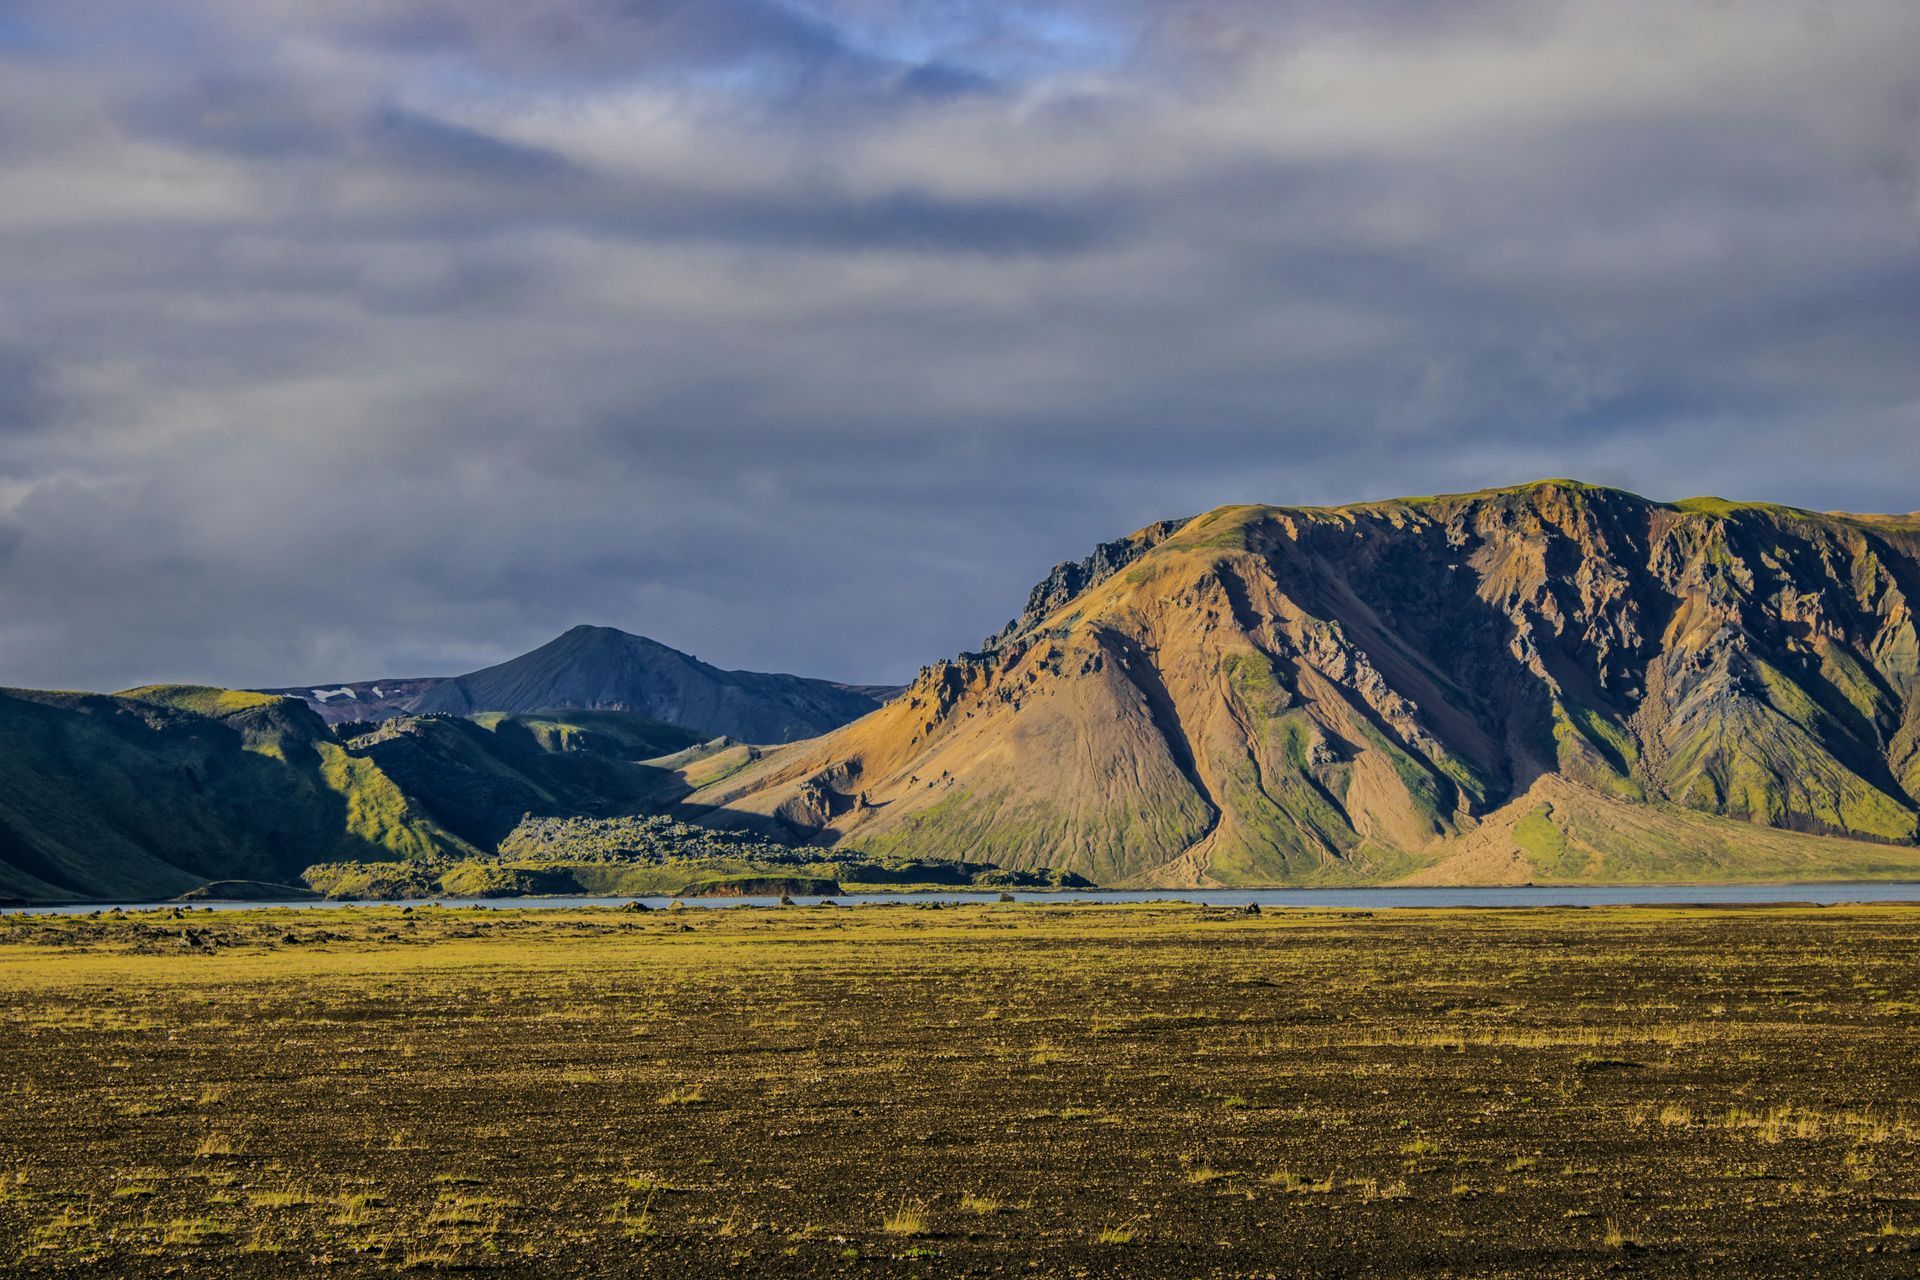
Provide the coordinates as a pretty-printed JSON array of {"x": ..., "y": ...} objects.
[{"x": 354, "y": 338}]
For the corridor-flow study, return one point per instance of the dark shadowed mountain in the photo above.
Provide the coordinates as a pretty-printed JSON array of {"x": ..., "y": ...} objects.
[
  {"x": 1552, "y": 682},
  {"x": 159, "y": 790},
  {"x": 602, "y": 669}
]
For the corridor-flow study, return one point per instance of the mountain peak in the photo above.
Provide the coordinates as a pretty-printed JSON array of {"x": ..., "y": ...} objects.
[
  {"x": 602, "y": 668},
  {"x": 584, "y": 637},
  {"x": 589, "y": 630}
]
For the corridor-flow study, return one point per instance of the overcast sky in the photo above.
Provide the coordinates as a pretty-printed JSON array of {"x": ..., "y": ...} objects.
[{"x": 350, "y": 338}]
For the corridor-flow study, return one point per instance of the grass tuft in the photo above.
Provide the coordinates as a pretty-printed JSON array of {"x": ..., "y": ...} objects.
[{"x": 908, "y": 1219}]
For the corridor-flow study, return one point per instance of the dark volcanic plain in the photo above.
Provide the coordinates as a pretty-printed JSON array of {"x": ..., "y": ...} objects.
[{"x": 992, "y": 1090}]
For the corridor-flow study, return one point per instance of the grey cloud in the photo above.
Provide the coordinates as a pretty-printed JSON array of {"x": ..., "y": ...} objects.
[
  {"x": 357, "y": 339},
  {"x": 603, "y": 36}
]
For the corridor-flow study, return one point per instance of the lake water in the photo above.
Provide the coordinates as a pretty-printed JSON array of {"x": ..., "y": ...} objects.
[{"x": 1335, "y": 899}]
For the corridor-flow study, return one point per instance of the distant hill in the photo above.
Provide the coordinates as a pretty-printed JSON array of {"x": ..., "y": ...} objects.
[
  {"x": 155, "y": 791},
  {"x": 1556, "y": 682},
  {"x": 600, "y": 668}
]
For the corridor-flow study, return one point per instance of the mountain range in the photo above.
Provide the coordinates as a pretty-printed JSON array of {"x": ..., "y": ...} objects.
[
  {"x": 602, "y": 669},
  {"x": 1550, "y": 682},
  {"x": 1555, "y": 682}
]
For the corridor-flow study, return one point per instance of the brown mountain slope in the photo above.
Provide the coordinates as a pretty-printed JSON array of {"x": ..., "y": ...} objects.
[{"x": 1287, "y": 695}]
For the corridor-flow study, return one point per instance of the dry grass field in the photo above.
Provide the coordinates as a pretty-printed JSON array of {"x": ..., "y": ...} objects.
[{"x": 991, "y": 1090}]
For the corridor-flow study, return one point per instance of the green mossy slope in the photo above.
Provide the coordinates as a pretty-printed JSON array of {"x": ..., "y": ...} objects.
[{"x": 156, "y": 791}]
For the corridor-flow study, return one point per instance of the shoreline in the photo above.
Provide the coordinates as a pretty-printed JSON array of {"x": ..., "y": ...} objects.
[{"x": 1414, "y": 897}]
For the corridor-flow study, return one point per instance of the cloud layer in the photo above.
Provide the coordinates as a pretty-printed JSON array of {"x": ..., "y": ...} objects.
[{"x": 347, "y": 338}]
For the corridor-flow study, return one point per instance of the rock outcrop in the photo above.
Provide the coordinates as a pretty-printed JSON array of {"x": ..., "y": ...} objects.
[{"x": 1072, "y": 578}]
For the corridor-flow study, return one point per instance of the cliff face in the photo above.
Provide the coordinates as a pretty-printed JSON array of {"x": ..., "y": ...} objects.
[{"x": 1481, "y": 686}]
